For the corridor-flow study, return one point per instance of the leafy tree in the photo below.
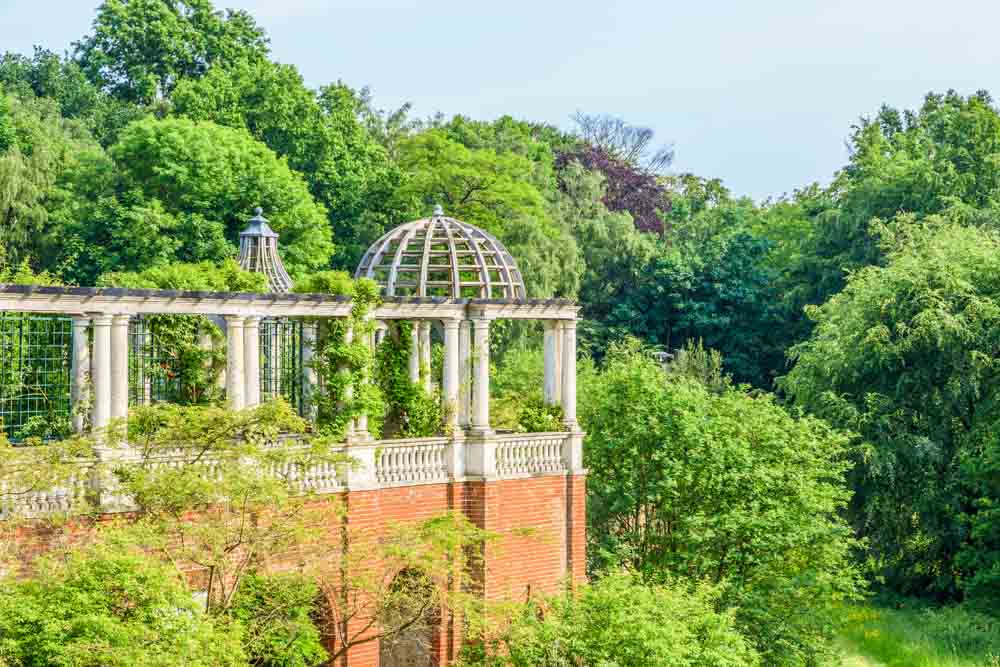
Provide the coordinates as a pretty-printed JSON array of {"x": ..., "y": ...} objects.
[
  {"x": 46, "y": 74},
  {"x": 939, "y": 158},
  {"x": 619, "y": 620},
  {"x": 906, "y": 357},
  {"x": 720, "y": 485},
  {"x": 492, "y": 190},
  {"x": 139, "y": 49},
  {"x": 182, "y": 191},
  {"x": 41, "y": 153},
  {"x": 276, "y": 612},
  {"x": 320, "y": 134},
  {"x": 99, "y": 606},
  {"x": 626, "y": 188}
]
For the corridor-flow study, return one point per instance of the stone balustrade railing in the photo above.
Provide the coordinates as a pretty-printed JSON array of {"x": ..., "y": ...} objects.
[
  {"x": 414, "y": 461},
  {"x": 522, "y": 454},
  {"x": 367, "y": 465}
]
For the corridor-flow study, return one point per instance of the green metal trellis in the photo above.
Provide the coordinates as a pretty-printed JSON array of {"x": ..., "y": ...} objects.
[
  {"x": 281, "y": 360},
  {"x": 35, "y": 367},
  {"x": 149, "y": 378}
]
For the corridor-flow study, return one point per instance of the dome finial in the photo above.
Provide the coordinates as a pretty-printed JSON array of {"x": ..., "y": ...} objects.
[
  {"x": 258, "y": 211},
  {"x": 438, "y": 210}
]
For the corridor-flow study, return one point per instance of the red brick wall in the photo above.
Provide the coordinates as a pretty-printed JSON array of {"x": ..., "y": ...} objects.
[{"x": 540, "y": 520}]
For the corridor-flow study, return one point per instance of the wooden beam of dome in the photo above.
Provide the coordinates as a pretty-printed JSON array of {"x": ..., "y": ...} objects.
[{"x": 387, "y": 261}]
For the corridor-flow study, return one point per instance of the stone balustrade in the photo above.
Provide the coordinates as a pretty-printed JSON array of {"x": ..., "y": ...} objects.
[
  {"x": 369, "y": 465},
  {"x": 414, "y": 461},
  {"x": 524, "y": 454}
]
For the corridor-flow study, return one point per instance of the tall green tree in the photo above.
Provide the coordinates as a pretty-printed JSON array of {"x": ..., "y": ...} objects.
[
  {"x": 140, "y": 49},
  {"x": 182, "y": 191},
  {"x": 906, "y": 356},
  {"x": 40, "y": 154},
  {"x": 715, "y": 483},
  {"x": 492, "y": 190},
  {"x": 319, "y": 133}
]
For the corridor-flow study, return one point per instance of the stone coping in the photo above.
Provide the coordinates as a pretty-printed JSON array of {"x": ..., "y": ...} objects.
[
  {"x": 262, "y": 297},
  {"x": 122, "y": 300}
]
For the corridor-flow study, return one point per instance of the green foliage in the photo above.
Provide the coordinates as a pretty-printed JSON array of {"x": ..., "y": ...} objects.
[
  {"x": 37, "y": 167},
  {"x": 516, "y": 400},
  {"x": 98, "y": 606},
  {"x": 411, "y": 412},
  {"x": 725, "y": 486},
  {"x": 620, "y": 620},
  {"x": 320, "y": 134},
  {"x": 490, "y": 188},
  {"x": 198, "y": 277},
  {"x": 905, "y": 356},
  {"x": 345, "y": 363},
  {"x": 208, "y": 179},
  {"x": 139, "y": 49},
  {"x": 276, "y": 614}
]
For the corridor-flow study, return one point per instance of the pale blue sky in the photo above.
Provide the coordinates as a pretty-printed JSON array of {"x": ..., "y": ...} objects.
[{"x": 761, "y": 94}]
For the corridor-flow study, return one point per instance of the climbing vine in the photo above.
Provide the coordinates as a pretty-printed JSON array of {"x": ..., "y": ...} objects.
[
  {"x": 412, "y": 412},
  {"x": 343, "y": 364},
  {"x": 184, "y": 356}
]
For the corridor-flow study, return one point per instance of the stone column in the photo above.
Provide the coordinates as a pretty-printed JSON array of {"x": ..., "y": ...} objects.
[
  {"x": 415, "y": 352},
  {"x": 348, "y": 387},
  {"x": 450, "y": 382},
  {"x": 465, "y": 374},
  {"x": 79, "y": 393},
  {"x": 569, "y": 374},
  {"x": 481, "y": 379},
  {"x": 119, "y": 367},
  {"x": 251, "y": 361},
  {"x": 101, "y": 373},
  {"x": 361, "y": 423},
  {"x": 235, "y": 379},
  {"x": 425, "y": 355},
  {"x": 309, "y": 378},
  {"x": 553, "y": 332}
]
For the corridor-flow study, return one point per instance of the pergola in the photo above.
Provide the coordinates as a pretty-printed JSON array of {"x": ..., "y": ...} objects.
[{"x": 434, "y": 271}]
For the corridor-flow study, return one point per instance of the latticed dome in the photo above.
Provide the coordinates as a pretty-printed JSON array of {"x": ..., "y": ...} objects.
[{"x": 443, "y": 257}]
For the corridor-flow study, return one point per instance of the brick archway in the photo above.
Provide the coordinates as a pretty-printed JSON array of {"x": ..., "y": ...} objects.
[{"x": 417, "y": 645}]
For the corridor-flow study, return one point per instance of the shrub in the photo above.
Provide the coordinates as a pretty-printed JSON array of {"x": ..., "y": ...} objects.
[
  {"x": 724, "y": 485},
  {"x": 277, "y": 614},
  {"x": 619, "y": 620},
  {"x": 101, "y": 607}
]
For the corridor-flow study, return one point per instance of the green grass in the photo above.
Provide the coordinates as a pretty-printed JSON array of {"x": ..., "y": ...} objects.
[{"x": 946, "y": 637}]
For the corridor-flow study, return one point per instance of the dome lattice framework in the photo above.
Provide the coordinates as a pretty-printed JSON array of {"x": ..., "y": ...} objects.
[
  {"x": 259, "y": 253},
  {"x": 442, "y": 257}
]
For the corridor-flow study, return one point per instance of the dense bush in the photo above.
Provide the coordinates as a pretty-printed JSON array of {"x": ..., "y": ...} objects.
[
  {"x": 102, "y": 607},
  {"x": 619, "y": 620},
  {"x": 277, "y": 613},
  {"x": 722, "y": 485},
  {"x": 516, "y": 394}
]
